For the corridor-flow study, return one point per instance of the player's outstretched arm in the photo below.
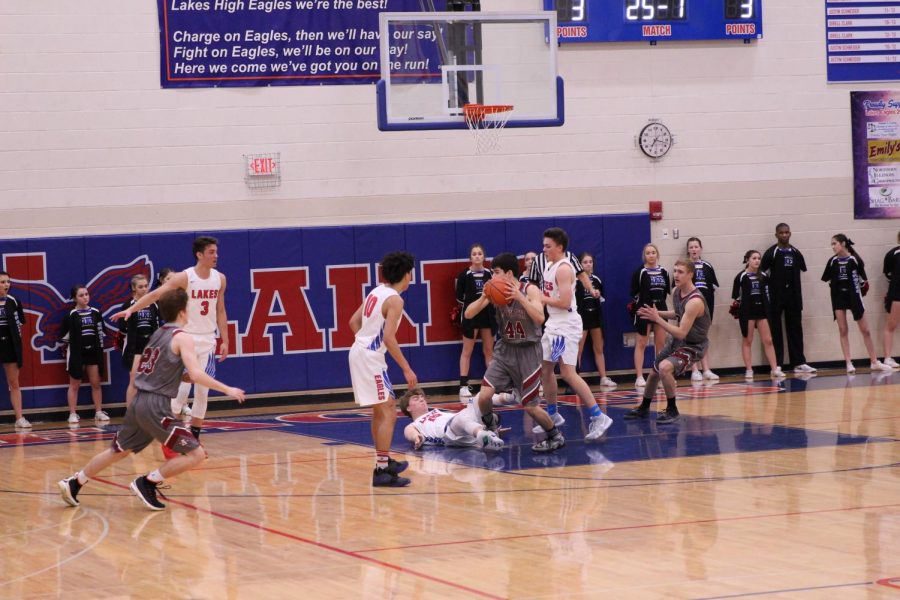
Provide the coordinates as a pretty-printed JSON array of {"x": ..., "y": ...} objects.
[
  {"x": 183, "y": 345},
  {"x": 413, "y": 436},
  {"x": 179, "y": 280}
]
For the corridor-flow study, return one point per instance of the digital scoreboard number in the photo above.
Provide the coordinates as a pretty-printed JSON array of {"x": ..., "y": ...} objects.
[{"x": 656, "y": 20}]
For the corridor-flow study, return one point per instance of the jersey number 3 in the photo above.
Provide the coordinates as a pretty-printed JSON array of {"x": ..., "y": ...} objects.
[{"x": 204, "y": 307}]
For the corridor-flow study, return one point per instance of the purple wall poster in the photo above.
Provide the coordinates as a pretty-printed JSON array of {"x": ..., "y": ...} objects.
[{"x": 875, "y": 118}]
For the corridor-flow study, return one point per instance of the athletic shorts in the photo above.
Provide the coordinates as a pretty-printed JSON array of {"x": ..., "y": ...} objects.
[
  {"x": 134, "y": 349},
  {"x": 642, "y": 326},
  {"x": 893, "y": 294},
  {"x": 7, "y": 351},
  {"x": 681, "y": 356},
  {"x": 518, "y": 367},
  {"x": 847, "y": 300},
  {"x": 483, "y": 320},
  {"x": 560, "y": 340},
  {"x": 592, "y": 319},
  {"x": 368, "y": 374},
  {"x": 91, "y": 355},
  {"x": 150, "y": 418},
  {"x": 205, "y": 350},
  {"x": 459, "y": 426}
]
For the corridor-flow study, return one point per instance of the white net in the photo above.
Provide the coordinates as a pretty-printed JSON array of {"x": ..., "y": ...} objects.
[{"x": 486, "y": 122}]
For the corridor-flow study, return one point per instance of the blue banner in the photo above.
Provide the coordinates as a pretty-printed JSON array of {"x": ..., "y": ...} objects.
[
  {"x": 291, "y": 293},
  {"x": 238, "y": 43},
  {"x": 861, "y": 40}
]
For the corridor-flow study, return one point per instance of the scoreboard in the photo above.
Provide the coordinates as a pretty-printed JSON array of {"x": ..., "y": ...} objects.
[{"x": 656, "y": 20}]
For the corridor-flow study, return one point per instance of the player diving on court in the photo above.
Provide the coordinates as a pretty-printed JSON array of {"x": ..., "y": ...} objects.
[{"x": 434, "y": 427}]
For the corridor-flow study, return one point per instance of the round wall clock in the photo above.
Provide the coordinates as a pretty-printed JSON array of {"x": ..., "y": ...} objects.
[{"x": 655, "y": 139}]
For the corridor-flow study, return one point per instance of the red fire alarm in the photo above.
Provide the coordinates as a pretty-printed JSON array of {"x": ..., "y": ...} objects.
[{"x": 656, "y": 210}]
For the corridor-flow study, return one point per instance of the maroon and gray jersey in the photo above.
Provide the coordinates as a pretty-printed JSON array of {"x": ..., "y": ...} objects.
[
  {"x": 699, "y": 332},
  {"x": 514, "y": 324},
  {"x": 159, "y": 370}
]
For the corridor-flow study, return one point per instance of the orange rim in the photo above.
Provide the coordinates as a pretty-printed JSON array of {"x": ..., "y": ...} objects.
[{"x": 477, "y": 112}]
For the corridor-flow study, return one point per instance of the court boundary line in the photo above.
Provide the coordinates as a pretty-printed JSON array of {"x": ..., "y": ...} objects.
[
  {"x": 103, "y": 535},
  {"x": 799, "y": 589},
  {"x": 632, "y": 527},
  {"x": 327, "y": 547},
  {"x": 259, "y": 464},
  {"x": 636, "y": 483},
  {"x": 33, "y": 530}
]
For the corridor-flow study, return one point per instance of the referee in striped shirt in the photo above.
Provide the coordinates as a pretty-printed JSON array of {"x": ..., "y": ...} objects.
[{"x": 536, "y": 274}]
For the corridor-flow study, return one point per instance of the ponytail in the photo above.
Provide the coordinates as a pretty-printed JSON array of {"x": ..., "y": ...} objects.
[{"x": 848, "y": 244}]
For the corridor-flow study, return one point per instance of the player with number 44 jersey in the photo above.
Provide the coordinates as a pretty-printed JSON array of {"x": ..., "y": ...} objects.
[{"x": 516, "y": 363}]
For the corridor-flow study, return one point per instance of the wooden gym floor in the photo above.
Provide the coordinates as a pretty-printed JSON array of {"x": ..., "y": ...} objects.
[{"x": 762, "y": 490}]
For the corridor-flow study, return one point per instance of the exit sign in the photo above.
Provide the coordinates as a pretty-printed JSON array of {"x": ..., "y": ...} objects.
[{"x": 262, "y": 170}]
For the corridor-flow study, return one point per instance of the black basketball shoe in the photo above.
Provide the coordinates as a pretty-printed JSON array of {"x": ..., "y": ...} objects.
[
  {"x": 667, "y": 416},
  {"x": 146, "y": 491},
  {"x": 637, "y": 413},
  {"x": 68, "y": 489},
  {"x": 387, "y": 478},
  {"x": 397, "y": 466}
]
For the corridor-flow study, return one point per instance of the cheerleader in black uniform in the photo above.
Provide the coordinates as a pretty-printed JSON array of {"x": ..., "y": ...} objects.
[
  {"x": 12, "y": 317},
  {"x": 82, "y": 339},
  {"x": 650, "y": 285},
  {"x": 136, "y": 331},
  {"x": 529, "y": 260},
  {"x": 706, "y": 281},
  {"x": 892, "y": 302},
  {"x": 845, "y": 272},
  {"x": 591, "y": 311},
  {"x": 469, "y": 285},
  {"x": 751, "y": 295}
]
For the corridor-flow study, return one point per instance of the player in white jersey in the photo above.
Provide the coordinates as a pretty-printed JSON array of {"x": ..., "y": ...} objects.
[
  {"x": 206, "y": 316},
  {"x": 375, "y": 325},
  {"x": 433, "y": 427},
  {"x": 562, "y": 332}
]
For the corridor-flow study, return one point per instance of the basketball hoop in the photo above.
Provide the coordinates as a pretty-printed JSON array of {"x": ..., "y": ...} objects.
[{"x": 486, "y": 121}]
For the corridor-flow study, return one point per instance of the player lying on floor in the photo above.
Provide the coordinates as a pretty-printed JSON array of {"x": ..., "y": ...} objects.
[{"x": 433, "y": 427}]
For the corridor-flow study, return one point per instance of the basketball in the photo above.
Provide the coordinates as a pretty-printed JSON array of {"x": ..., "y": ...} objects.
[{"x": 496, "y": 291}]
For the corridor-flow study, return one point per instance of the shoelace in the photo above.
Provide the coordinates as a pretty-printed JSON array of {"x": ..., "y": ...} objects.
[{"x": 159, "y": 487}]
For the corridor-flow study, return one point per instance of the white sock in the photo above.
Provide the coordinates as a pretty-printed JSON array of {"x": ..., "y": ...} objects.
[
  {"x": 155, "y": 476},
  {"x": 81, "y": 477}
]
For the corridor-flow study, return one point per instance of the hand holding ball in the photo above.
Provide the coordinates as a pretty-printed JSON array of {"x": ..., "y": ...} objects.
[{"x": 498, "y": 292}]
